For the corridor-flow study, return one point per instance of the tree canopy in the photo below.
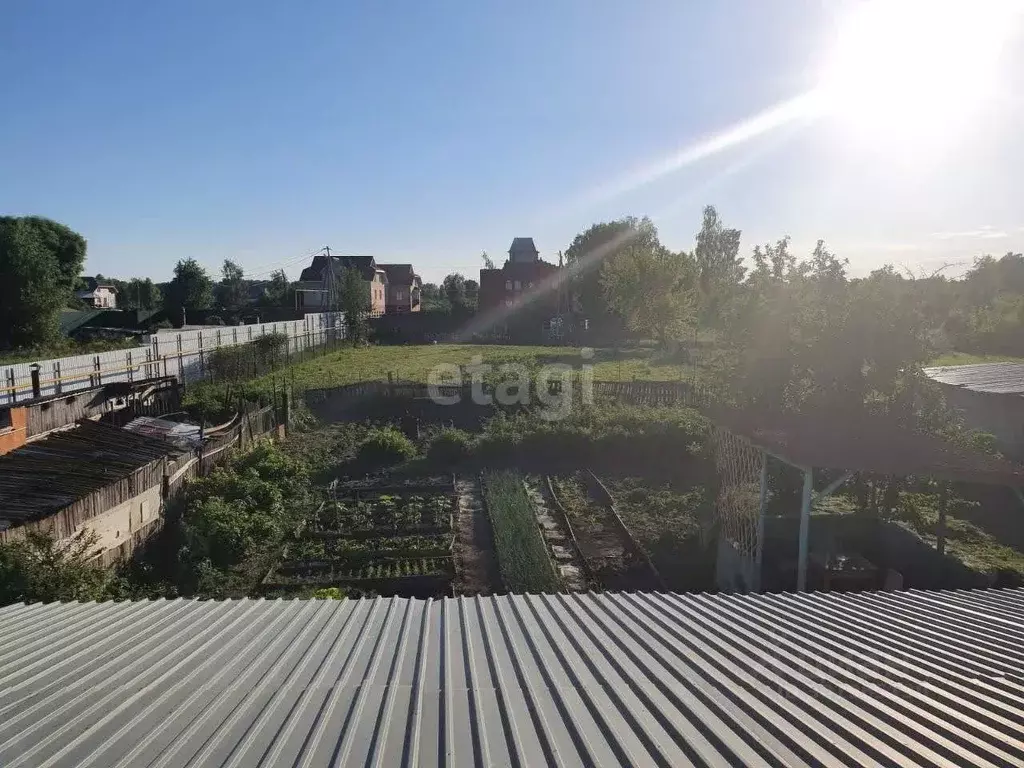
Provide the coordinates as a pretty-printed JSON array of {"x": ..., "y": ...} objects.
[
  {"x": 232, "y": 292},
  {"x": 40, "y": 260},
  {"x": 190, "y": 289}
]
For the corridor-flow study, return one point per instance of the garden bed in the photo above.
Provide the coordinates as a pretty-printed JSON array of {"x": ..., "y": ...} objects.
[{"x": 522, "y": 555}]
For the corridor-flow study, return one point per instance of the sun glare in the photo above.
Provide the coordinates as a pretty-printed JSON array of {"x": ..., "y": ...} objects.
[{"x": 915, "y": 67}]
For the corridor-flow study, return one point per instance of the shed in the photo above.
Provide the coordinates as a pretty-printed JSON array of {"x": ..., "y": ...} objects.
[{"x": 990, "y": 398}]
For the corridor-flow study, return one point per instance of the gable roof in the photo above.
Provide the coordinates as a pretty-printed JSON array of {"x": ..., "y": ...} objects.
[
  {"x": 520, "y": 244},
  {"x": 884, "y": 678},
  {"x": 403, "y": 274},
  {"x": 315, "y": 271},
  {"x": 91, "y": 284}
]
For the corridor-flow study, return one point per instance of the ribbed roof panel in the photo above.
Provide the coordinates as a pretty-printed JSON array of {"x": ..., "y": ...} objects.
[{"x": 913, "y": 678}]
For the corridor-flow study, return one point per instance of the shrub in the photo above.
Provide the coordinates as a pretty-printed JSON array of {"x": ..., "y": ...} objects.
[
  {"x": 40, "y": 568},
  {"x": 449, "y": 446},
  {"x": 328, "y": 593},
  {"x": 386, "y": 446}
]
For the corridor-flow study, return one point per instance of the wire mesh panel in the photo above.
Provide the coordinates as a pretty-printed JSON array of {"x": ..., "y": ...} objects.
[{"x": 737, "y": 505}]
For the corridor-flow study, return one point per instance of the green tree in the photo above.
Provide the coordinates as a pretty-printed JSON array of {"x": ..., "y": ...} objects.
[
  {"x": 40, "y": 261},
  {"x": 278, "y": 291},
  {"x": 434, "y": 299},
  {"x": 472, "y": 291},
  {"x": 138, "y": 293},
  {"x": 454, "y": 286},
  {"x": 719, "y": 267},
  {"x": 232, "y": 289},
  {"x": 593, "y": 247},
  {"x": 190, "y": 289},
  {"x": 354, "y": 301},
  {"x": 652, "y": 289},
  {"x": 488, "y": 261}
]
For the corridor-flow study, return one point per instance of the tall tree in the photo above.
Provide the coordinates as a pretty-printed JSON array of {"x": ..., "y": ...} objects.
[
  {"x": 138, "y": 293},
  {"x": 488, "y": 261},
  {"x": 472, "y": 291},
  {"x": 652, "y": 289},
  {"x": 232, "y": 289},
  {"x": 592, "y": 248},
  {"x": 40, "y": 260},
  {"x": 278, "y": 290},
  {"x": 454, "y": 286},
  {"x": 434, "y": 298},
  {"x": 190, "y": 289},
  {"x": 354, "y": 301},
  {"x": 719, "y": 266}
]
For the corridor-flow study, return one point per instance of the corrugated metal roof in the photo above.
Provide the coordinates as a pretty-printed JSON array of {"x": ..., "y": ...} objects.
[
  {"x": 912, "y": 678},
  {"x": 1002, "y": 378}
]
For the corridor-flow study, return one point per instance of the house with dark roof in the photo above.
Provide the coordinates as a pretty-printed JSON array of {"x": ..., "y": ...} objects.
[
  {"x": 97, "y": 293},
  {"x": 315, "y": 290},
  {"x": 524, "y": 280},
  {"x": 403, "y": 293}
]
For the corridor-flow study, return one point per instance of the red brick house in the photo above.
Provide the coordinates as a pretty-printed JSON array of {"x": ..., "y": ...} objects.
[
  {"x": 403, "y": 294},
  {"x": 525, "y": 280}
]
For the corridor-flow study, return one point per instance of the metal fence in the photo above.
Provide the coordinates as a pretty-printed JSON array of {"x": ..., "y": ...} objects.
[{"x": 172, "y": 353}]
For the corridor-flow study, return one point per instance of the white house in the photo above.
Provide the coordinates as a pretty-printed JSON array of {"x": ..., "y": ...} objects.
[{"x": 100, "y": 295}]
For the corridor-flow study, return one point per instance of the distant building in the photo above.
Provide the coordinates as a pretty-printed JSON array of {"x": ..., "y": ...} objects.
[
  {"x": 990, "y": 398},
  {"x": 97, "y": 293},
  {"x": 314, "y": 290},
  {"x": 403, "y": 293},
  {"x": 525, "y": 281}
]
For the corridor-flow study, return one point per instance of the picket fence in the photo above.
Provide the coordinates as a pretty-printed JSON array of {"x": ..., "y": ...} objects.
[{"x": 170, "y": 353}]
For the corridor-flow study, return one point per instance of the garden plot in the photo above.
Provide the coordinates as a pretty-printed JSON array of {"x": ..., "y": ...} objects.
[
  {"x": 523, "y": 556},
  {"x": 388, "y": 545}
]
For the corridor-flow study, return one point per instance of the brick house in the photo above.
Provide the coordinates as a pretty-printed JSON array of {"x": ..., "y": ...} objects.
[
  {"x": 403, "y": 291},
  {"x": 525, "y": 280},
  {"x": 314, "y": 287}
]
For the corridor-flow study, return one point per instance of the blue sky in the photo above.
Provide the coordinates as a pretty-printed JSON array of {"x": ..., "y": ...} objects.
[{"x": 429, "y": 131}]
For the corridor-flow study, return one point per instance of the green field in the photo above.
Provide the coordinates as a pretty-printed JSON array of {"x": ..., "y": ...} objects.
[
  {"x": 963, "y": 358},
  {"x": 415, "y": 362}
]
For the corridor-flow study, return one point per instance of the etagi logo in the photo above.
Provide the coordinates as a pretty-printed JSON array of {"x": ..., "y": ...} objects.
[{"x": 552, "y": 384}]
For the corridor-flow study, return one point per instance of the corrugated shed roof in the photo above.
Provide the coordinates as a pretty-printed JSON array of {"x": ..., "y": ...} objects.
[
  {"x": 1001, "y": 378},
  {"x": 612, "y": 679}
]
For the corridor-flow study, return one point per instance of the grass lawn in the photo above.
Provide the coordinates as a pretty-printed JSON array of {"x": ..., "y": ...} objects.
[
  {"x": 415, "y": 362},
  {"x": 963, "y": 358}
]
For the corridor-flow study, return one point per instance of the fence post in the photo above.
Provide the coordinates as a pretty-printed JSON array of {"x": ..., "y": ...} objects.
[
  {"x": 58, "y": 385},
  {"x": 131, "y": 373},
  {"x": 34, "y": 374}
]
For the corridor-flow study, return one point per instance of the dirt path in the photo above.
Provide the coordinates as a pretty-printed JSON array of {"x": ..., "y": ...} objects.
[
  {"x": 556, "y": 537},
  {"x": 476, "y": 564}
]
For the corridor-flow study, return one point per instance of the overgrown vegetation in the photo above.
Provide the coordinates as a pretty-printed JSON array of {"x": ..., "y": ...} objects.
[
  {"x": 385, "y": 446},
  {"x": 522, "y": 555},
  {"x": 666, "y": 522}
]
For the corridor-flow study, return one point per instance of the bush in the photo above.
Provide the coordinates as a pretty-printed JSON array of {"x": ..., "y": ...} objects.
[
  {"x": 386, "y": 446},
  {"x": 39, "y": 568},
  {"x": 449, "y": 446},
  {"x": 328, "y": 593}
]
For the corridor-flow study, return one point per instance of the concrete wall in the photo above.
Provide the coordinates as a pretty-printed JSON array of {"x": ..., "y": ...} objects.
[
  {"x": 116, "y": 525},
  {"x": 998, "y": 414}
]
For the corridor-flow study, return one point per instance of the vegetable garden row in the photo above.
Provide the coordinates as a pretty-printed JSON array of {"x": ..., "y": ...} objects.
[{"x": 378, "y": 544}]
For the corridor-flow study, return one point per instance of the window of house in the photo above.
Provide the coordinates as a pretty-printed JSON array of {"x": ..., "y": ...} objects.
[
  {"x": 518, "y": 285},
  {"x": 508, "y": 285},
  {"x": 529, "y": 285},
  {"x": 508, "y": 303}
]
